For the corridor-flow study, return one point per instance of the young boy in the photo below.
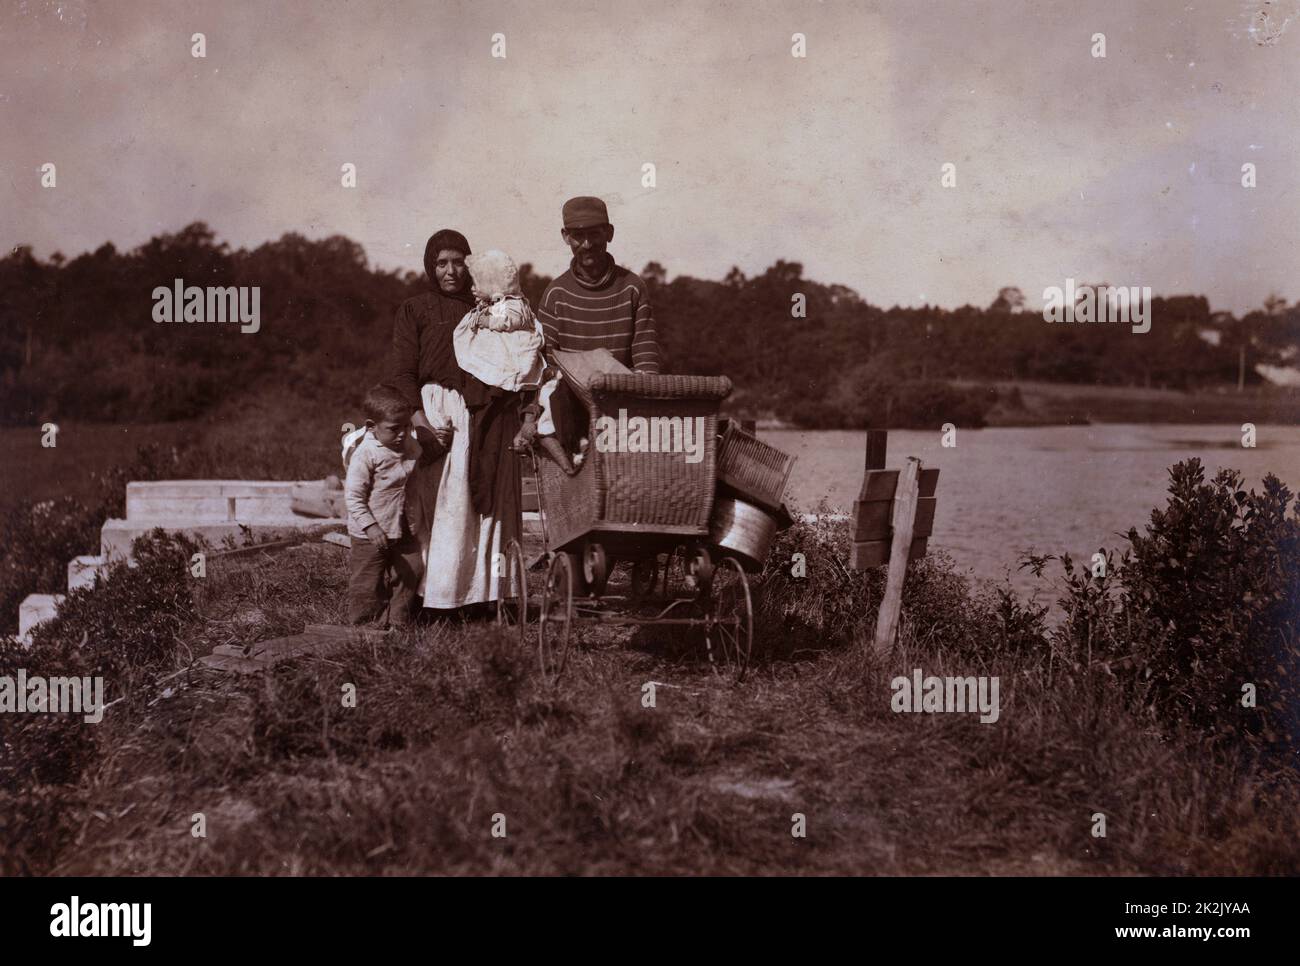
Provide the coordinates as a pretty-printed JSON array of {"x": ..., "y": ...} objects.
[{"x": 386, "y": 565}]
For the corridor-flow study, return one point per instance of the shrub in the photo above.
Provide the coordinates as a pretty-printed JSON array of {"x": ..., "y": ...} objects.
[
  {"x": 1205, "y": 601},
  {"x": 126, "y": 628},
  {"x": 832, "y": 606},
  {"x": 41, "y": 537}
]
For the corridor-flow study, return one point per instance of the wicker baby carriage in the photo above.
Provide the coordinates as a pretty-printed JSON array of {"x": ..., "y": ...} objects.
[{"x": 646, "y": 489}]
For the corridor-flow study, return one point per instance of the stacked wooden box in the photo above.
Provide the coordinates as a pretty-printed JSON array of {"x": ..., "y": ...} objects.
[{"x": 872, "y": 520}]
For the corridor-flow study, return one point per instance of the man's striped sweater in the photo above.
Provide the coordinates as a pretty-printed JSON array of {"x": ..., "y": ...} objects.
[{"x": 615, "y": 314}]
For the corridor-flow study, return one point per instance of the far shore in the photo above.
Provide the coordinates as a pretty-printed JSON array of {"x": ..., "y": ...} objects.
[
  {"x": 35, "y": 472},
  {"x": 1067, "y": 404}
]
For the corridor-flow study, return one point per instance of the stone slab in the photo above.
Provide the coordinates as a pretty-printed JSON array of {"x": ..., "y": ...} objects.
[
  {"x": 36, "y": 609},
  {"x": 207, "y": 501}
]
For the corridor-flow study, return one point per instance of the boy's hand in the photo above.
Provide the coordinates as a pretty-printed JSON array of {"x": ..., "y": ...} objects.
[{"x": 376, "y": 536}]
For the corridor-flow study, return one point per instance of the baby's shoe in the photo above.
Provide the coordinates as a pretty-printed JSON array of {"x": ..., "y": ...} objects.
[{"x": 581, "y": 456}]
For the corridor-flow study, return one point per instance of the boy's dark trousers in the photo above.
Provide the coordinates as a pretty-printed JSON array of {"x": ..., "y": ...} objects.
[{"x": 383, "y": 583}]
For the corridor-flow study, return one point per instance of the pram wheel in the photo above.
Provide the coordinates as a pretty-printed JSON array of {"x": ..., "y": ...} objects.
[
  {"x": 555, "y": 622},
  {"x": 730, "y": 631}
]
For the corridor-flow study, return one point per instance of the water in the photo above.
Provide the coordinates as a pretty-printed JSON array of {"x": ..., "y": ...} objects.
[{"x": 1050, "y": 489}]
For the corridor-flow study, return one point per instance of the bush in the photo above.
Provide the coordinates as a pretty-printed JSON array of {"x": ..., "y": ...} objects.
[
  {"x": 41, "y": 537},
  {"x": 832, "y": 606},
  {"x": 1206, "y": 601},
  {"x": 126, "y": 631}
]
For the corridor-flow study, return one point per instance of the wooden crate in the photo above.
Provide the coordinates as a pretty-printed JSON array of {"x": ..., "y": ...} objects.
[{"x": 872, "y": 525}]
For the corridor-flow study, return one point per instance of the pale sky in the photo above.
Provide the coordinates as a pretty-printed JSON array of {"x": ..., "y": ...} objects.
[{"x": 1125, "y": 169}]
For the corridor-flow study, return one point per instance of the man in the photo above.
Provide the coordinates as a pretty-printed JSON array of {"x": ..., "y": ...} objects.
[{"x": 597, "y": 304}]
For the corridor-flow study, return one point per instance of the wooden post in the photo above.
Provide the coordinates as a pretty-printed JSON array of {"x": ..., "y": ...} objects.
[
  {"x": 904, "y": 520},
  {"x": 877, "y": 443}
]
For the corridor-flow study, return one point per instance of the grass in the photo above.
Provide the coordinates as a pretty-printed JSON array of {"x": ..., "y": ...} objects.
[
  {"x": 453, "y": 726},
  {"x": 32, "y": 472}
]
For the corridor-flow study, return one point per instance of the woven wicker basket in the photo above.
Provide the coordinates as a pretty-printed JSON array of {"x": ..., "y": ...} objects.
[
  {"x": 751, "y": 469},
  {"x": 635, "y": 493}
]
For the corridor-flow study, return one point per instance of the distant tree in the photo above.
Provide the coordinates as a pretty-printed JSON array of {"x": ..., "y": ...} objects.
[
  {"x": 654, "y": 274},
  {"x": 1010, "y": 299},
  {"x": 533, "y": 285}
]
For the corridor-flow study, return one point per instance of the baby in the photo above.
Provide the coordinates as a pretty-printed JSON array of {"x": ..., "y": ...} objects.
[{"x": 499, "y": 342}]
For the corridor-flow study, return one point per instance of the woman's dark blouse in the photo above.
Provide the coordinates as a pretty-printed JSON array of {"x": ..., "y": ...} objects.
[{"x": 422, "y": 350}]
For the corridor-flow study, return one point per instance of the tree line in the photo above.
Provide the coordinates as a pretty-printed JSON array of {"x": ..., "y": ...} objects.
[{"x": 77, "y": 340}]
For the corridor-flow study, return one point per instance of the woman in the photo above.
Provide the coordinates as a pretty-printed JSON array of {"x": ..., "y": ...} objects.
[{"x": 464, "y": 506}]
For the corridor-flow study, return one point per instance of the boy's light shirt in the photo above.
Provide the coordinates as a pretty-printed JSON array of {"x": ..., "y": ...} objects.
[{"x": 375, "y": 492}]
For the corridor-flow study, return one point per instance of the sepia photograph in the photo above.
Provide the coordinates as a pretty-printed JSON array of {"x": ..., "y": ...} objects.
[{"x": 599, "y": 438}]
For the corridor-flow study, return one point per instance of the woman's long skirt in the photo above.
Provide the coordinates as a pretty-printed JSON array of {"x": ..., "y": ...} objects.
[{"x": 464, "y": 559}]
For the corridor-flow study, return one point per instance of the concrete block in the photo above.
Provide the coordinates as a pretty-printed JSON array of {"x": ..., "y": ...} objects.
[
  {"x": 209, "y": 501},
  {"x": 35, "y": 609},
  {"x": 83, "y": 570}
]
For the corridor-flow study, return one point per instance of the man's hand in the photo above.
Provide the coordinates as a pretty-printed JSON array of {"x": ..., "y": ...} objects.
[{"x": 376, "y": 536}]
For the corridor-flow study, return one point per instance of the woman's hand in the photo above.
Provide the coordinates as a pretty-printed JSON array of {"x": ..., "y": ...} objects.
[
  {"x": 420, "y": 421},
  {"x": 433, "y": 440},
  {"x": 523, "y": 440}
]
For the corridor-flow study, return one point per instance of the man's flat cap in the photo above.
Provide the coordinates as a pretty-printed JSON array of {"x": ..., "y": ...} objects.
[{"x": 585, "y": 212}]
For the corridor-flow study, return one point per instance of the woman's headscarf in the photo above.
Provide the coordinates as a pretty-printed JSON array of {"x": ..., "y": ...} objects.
[{"x": 447, "y": 238}]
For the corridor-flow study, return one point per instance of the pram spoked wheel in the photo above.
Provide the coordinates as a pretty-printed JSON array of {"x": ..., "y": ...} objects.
[
  {"x": 729, "y": 634},
  {"x": 513, "y": 610},
  {"x": 555, "y": 623}
]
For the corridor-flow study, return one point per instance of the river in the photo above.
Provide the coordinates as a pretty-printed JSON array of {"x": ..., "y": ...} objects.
[{"x": 1050, "y": 489}]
